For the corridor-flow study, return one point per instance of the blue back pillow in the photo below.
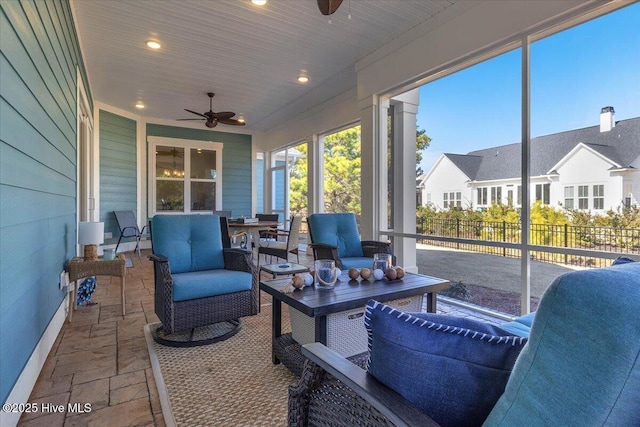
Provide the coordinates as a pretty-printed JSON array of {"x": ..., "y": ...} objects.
[
  {"x": 337, "y": 229},
  {"x": 453, "y": 369},
  {"x": 191, "y": 242}
]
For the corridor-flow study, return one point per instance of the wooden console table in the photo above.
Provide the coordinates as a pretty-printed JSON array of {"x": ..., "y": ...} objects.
[{"x": 78, "y": 268}]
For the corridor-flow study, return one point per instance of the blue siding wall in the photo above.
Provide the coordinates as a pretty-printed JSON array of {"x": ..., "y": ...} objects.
[
  {"x": 39, "y": 56},
  {"x": 236, "y": 163},
  {"x": 118, "y": 182}
]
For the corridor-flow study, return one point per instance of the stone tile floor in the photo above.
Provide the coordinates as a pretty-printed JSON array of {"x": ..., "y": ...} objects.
[{"x": 101, "y": 357}]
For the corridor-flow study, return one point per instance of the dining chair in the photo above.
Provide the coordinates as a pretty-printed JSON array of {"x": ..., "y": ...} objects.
[{"x": 281, "y": 249}]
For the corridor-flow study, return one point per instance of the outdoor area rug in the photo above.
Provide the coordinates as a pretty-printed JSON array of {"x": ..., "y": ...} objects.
[{"x": 228, "y": 383}]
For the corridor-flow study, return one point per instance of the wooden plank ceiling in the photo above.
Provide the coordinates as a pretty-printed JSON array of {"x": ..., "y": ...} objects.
[{"x": 249, "y": 56}]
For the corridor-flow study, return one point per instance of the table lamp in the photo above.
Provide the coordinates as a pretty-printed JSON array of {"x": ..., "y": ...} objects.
[{"x": 90, "y": 235}]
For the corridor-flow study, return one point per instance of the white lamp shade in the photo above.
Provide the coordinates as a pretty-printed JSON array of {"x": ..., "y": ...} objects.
[{"x": 91, "y": 233}]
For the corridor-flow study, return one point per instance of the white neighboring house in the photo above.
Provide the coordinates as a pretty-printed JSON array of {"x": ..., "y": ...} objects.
[{"x": 595, "y": 168}]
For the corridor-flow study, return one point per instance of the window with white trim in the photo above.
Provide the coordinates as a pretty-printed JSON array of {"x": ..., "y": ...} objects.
[
  {"x": 568, "y": 197},
  {"x": 598, "y": 196},
  {"x": 543, "y": 193},
  {"x": 583, "y": 197},
  {"x": 452, "y": 199},
  {"x": 482, "y": 196},
  {"x": 496, "y": 194},
  {"x": 185, "y": 175}
]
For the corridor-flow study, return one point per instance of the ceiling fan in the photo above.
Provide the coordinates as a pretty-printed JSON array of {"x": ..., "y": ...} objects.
[
  {"x": 327, "y": 7},
  {"x": 212, "y": 118}
]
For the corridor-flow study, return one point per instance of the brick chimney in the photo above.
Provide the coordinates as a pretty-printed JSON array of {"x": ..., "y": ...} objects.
[{"x": 607, "y": 119}]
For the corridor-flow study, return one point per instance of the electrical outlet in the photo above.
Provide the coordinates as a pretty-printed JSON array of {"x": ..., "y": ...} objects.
[
  {"x": 64, "y": 280},
  {"x": 108, "y": 235}
]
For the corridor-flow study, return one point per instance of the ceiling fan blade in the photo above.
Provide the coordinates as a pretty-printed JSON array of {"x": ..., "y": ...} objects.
[
  {"x": 189, "y": 119},
  {"x": 233, "y": 122},
  {"x": 224, "y": 115},
  {"x": 197, "y": 114},
  {"x": 327, "y": 7}
]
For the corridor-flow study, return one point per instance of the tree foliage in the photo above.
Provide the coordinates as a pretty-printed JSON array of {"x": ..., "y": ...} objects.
[
  {"x": 298, "y": 192},
  {"x": 422, "y": 143},
  {"x": 342, "y": 167}
]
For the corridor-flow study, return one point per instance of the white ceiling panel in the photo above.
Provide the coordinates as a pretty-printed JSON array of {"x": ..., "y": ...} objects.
[{"x": 249, "y": 56}]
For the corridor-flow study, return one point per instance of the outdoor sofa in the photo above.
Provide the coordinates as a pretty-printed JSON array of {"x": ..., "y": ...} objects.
[{"x": 580, "y": 366}]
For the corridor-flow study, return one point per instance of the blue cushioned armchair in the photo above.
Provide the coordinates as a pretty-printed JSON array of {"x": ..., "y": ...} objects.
[
  {"x": 335, "y": 236},
  {"x": 580, "y": 367},
  {"x": 199, "y": 282}
]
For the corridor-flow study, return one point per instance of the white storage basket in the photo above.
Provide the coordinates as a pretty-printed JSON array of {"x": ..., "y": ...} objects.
[{"x": 345, "y": 330}]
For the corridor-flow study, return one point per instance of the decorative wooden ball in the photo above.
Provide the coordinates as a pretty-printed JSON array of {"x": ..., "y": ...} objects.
[
  {"x": 308, "y": 279},
  {"x": 353, "y": 273},
  {"x": 400, "y": 272},
  {"x": 378, "y": 274},
  {"x": 391, "y": 273},
  {"x": 365, "y": 273},
  {"x": 297, "y": 282}
]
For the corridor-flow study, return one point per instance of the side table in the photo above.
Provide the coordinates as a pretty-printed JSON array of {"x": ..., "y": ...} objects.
[
  {"x": 78, "y": 268},
  {"x": 284, "y": 269}
]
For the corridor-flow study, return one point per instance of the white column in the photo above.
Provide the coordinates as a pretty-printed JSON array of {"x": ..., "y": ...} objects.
[
  {"x": 369, "y": 173},
  {"x": 404, "y": 178},
  {"x": 315, "y": 174}
]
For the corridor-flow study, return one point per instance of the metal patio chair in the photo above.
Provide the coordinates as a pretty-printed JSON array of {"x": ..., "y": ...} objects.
[{"x": 128, "y": 226}]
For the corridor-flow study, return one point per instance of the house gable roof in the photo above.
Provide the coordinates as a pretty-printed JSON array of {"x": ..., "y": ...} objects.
[
  {"x": 468, "y": 164},
  {"x": 589, "y": 148},
  {"x": 621, "y": 145}
]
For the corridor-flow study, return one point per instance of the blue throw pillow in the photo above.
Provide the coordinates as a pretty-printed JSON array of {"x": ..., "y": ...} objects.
[{"x": 453, "y": 369}]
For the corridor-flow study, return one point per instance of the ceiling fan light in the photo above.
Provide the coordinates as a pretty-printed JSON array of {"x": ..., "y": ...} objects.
[
  {"x": 259, "y": 2},
  {"x": 153, "y": 44}
]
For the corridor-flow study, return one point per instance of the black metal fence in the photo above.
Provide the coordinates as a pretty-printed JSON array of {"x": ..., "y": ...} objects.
[{"x": 608, "y": 239}]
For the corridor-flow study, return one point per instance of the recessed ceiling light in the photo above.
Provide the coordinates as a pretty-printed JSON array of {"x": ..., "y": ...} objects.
[
  {"x": 153, "y": 44},
  {"x": 259, "y": 2},
  {"x": 303, "y": 78},
  {"x": 241, "y": 119},
  {"x": 139, "y": 105}
]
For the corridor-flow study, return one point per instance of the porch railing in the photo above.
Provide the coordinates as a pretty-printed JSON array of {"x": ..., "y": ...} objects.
[{"x": 595, "y": 238}]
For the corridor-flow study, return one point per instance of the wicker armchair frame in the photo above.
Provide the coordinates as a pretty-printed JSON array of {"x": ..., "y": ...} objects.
[
  {"x": 333, "y": 391},
  {"x": 180, "y": 315}
]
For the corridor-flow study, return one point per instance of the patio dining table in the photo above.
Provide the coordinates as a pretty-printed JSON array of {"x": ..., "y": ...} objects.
[{"x": 253, "y": 227}]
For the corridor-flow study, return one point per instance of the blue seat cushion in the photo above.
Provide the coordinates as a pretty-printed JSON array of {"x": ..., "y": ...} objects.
[
  {"x": 356, "y": 262},
  {"x": 453, "y": 369},
  {"x": 337, "y": 229},
  {"x": 209, "y": 283},
  {"x": 190, "y": 242},
  {"x": 581, "y": 366}
]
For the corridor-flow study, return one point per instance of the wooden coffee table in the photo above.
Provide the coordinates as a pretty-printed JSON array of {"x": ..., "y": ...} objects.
[{"x": 346, "y": 295}]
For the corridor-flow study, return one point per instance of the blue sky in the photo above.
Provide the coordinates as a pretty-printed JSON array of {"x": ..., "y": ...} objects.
[{"x": 573, "y": 75}]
